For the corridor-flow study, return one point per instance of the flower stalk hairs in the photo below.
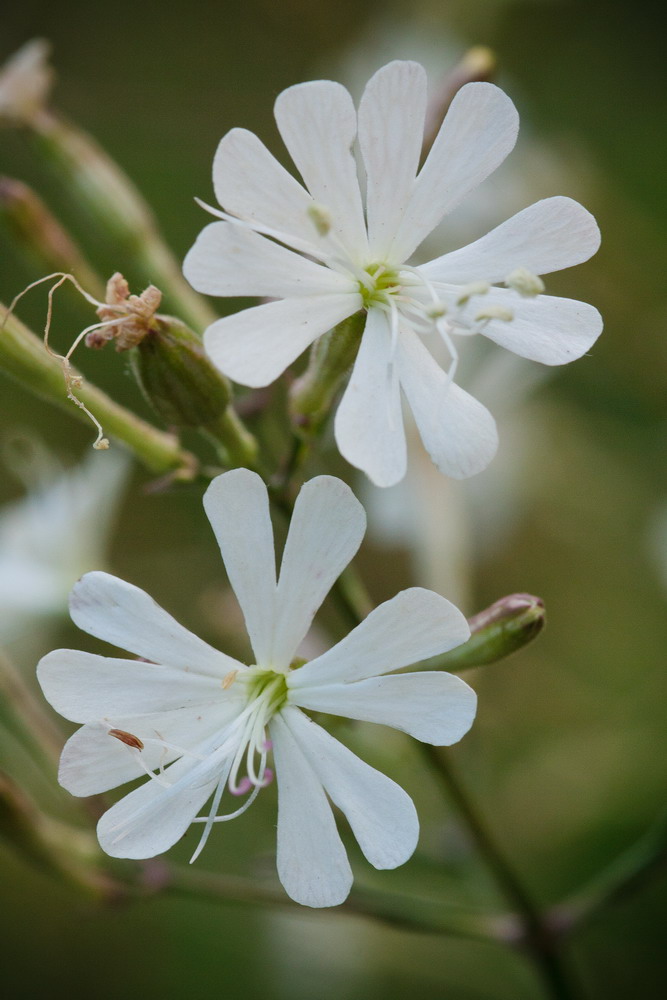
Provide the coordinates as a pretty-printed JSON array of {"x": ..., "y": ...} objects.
[
  {"x": 324, "y": 254},
  {"x": 202, "y": 725}
]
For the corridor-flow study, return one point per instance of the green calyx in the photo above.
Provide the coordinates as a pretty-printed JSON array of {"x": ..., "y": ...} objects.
[{"x": 176, "y": 376}]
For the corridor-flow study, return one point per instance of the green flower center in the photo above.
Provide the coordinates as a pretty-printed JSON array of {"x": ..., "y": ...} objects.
[
  {"x": 268, "y": 688},
  {"x": 379, "y": 283}
]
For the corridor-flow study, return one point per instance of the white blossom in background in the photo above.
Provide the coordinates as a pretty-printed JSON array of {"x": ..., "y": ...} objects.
[
  {"x": 201, "y": 724},
  {"x": 58, "y": 531},
  {"x": 324, "y": 255}
]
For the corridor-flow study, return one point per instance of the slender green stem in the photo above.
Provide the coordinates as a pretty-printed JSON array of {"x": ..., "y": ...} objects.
[
  {"x": 23, "y": 356},
  {"x": 539, "y": 938},
  {"x": 25, "y": 707},
  {"x": 397, "y": 909},
  {"x": 626, "y": 875}
]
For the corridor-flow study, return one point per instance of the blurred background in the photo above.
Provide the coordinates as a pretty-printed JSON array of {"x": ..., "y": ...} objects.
[{"x": 567, "y": 758}]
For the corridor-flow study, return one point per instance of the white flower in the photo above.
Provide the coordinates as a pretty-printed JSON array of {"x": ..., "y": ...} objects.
[
  {"x": 58, "y": 531},
  {"x": 323, "y": 257},
  {"x": 199, "y": 722}
]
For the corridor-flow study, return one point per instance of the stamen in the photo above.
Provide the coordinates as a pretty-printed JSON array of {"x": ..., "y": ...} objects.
[
  {"x": 320, "y": 217},
  {"x": 495, "y": 312},
  {"x": 129, "y": 739},
  {"x": 525, "y": 282},
  {"x": 229, "y": 679},
  {"x": 475, "y": 288}
]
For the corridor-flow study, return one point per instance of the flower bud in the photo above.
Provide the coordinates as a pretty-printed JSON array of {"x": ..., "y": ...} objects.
[
  {"x": 176, "y": 376},
  {"x": 501, "y": 629}
]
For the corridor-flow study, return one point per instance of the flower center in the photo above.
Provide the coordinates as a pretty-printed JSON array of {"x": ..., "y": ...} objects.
[{"x": 377, "y": 283}]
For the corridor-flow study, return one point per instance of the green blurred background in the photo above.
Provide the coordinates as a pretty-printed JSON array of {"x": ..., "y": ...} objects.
[{"x": 567, "y": 759}]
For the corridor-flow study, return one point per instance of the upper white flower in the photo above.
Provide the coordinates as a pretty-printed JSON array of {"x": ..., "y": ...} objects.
[
  {"x": 199, "y": 722},
  {"x": 323, "y": 257}
]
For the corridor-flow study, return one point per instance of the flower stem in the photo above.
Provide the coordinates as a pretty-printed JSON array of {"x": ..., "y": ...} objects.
[
  {"x": 538, "y": 937},
  {"x": 398, "y": 909},
  {"x": 105, "y": 194},
  {"x": 36, "y": 723},
  {"x": 22, "y": 355}
]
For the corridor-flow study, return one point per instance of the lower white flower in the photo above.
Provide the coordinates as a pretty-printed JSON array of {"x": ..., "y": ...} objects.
[
  {"x": 200, "y": 723},
  {"x": 324, "y": 255}
]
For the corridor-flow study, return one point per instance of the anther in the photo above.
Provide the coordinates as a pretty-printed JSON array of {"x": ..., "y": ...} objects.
[
  {"x": 525, "y": 282},
  {"x": 320, "y": 217},
  {"x": 475, "y": 288},
  {"x": 129, "y": 739},
  {"x": 495, "y": 312},
  {"x": 229, "y": 679}
]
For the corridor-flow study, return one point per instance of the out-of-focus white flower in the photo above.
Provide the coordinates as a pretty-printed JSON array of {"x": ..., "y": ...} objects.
[
  {"x": 57, "y": 532},
  {"x": 339, "y": 257},
  {"x": 199, "y": 722}
]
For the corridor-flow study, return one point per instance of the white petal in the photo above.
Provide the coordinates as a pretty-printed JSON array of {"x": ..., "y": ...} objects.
[
  {"x": 318, "y": 124},
  {"x": 391, "y": 132},
  {"x": 458, "y": 432},
  {"x": 84, "y": 687},
  {"x": 255, "y": 346},
  {"x": 230, "y": 260},
  {"x": 369, "y": 422},
  {"x": 119, "y": 613},
  {"x": 92, "y": 761},
  {"x": 251, "y": 184},
  {"x": 326, "y": 530},
  {"x": 547, "y": 329},
  {"x": 412, "y": 626},
  {"x": 150, "y": 819},
  {"x": 478, "y": 132},
  {"x": 434, "y": 707},
  {"x": 545, "y": 237},
  {"x": 237, "y": 505},
  {"x": 312, "y": 863},
  {"x": 381, "y": 815}
]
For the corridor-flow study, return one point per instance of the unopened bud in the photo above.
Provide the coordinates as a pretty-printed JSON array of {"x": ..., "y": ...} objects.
[
  {"x": 179, "y": 381},
  {"x": 501, "y": 629},
  {"x": 525, "y": 282},
  {"x": 25, "y": 82}
]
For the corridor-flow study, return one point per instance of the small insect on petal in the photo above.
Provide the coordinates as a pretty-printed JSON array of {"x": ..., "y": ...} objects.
[{"x": 128, "y": 738}]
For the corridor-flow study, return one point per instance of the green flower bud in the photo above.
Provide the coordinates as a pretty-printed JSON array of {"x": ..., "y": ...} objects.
[
  {"x": 176, "y": 376},
  {"x": 501, "y": 629}
]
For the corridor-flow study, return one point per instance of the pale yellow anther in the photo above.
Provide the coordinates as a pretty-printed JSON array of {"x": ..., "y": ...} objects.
[
  {"x": 320, "y": 217},
  {"x": 525, "y": 282},
  {"x": 495, "y": 312},
  {"x": 475, "y": 288},
  {"x": 229, "y": 679}
]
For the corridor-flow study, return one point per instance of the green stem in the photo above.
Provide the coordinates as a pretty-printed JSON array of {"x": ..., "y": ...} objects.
[
  {"x": 23, "y": 356},
  {"x": 108, "y": 197},
  {"x": 628, "y": 874},
  {"x": 34, "y": 721},
  {"x": 539, "y": 937},
  {"x": 394, "y": 908}
]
